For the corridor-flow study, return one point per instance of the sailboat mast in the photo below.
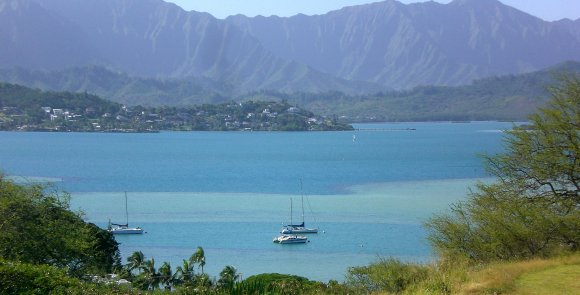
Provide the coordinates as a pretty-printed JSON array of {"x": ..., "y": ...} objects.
[
  {"x": 291, "y": 211},
  {"x": 126, "y": 211},
  {"x": 302, "y": 198}
]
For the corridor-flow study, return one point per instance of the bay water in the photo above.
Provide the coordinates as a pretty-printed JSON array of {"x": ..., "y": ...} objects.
[{"x": 368, "y": 191}]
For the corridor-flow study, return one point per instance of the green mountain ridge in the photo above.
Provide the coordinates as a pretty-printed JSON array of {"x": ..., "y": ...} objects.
[
  {"x": 406, "y": 45},
  {"x": 122, "y": 88},
  {"x": 510, "y": 97},
  {"x": 359, "y": 49},
  {"x": 149, "y": 38}
]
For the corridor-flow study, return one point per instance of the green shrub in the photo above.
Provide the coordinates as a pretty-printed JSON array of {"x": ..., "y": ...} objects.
[
  {"x": 533, "y": 208},
  {"x": 38, "y": 227},
  {"x": 274, "y": 283},
  {"x": 387, "y": 275},
  {"x": 22, "y": 278},
  {"x": 18, "y": 278}
]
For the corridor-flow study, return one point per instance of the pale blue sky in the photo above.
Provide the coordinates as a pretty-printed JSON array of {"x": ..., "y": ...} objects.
[{"x": 546, "y": 9}]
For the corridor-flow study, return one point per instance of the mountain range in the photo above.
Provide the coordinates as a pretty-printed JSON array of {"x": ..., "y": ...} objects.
[
  {"x": 356, "y": 50},
  {"x": 428, "y": 43},
  {"x": 148, "y": 38},
  {"x": 509, "y": 97}
]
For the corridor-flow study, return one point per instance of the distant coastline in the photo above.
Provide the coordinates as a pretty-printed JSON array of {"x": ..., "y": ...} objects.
[{"x": 26, "y": 109}]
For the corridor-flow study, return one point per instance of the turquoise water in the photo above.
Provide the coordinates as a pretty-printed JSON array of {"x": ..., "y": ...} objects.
[{"x": 229, "y": 192}]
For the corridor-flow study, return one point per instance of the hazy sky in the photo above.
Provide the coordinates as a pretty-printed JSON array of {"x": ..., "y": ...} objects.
[{"x": 545, "y": 9}]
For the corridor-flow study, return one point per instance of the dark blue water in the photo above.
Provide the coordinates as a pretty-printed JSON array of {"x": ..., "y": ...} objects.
[
  {"x": 261, "y": 162},
  {"x": 368, "y": 191}
]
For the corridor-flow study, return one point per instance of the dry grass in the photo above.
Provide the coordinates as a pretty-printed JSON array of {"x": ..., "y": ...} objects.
[
  {"x": 504, "y": 278},
  {"x": 533, "y": 277},
  {"x": 563, "y": 279}
]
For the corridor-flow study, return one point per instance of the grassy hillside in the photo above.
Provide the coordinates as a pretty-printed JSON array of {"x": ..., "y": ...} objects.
[
  {"x": 558, "y": 275},
  {"x": 538, "y": 276},
  {"x": 561, "y": 279}
]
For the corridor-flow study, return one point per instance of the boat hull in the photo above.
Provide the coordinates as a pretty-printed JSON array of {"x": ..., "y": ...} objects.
[
  {"x": 126, "y": 231},
  {"x": 287, "y": 239},
  {"x": 293, "y": 242},
  {"x": 288, "y": 231}
]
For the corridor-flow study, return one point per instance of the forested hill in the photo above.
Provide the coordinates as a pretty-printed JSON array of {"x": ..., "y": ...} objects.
[
  {"x": 510, "y": 97},
  {"x": 28, "y": 109},
  {"x": 31, "y": 101},
  {"x": 122, "y": 88}
]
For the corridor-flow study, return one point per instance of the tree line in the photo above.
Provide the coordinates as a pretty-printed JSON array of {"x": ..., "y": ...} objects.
[{"x": 26, "y": 109}]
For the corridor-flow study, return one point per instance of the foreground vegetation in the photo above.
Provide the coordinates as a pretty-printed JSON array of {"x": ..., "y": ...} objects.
[
  {"x": 496, "y": 240},
  {"x": 45, "y": 248},
  {"x": 518, "y": 234},
  {"x": 552, "y": 276},
  {"x": 533, "y": 210}
]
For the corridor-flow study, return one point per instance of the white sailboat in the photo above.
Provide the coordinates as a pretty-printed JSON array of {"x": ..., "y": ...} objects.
[
  {"x": 290, "y": 229},
  {"x": 290, "y": 239},
  {"x": 116, "y": 228}
]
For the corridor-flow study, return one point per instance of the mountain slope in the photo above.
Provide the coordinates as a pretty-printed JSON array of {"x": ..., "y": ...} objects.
[
  {"x": 418, "y": 44},
  {"x": 33, "y": 37},
  {"x": 358, "y": 49},
  {"x": 120, "y": 87},
  {"x": 510, "y": 97},
  {"x": 148, "y": 38},
  {"x": 132, "y": 90}
]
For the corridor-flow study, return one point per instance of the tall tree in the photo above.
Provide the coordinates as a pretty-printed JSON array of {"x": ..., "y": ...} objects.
[
  {"x": 198, "y": 258},
  {"x": 150, "y": 274},
  {"x": 544, "y": 160},
  {"x": 166, "y": 275},
  {"x": 534, "y": 207},
  {"x": 135, "y": 261},
  {"x": 38, "y": 227},
  {"x": 228, "y": 277},
  {"x": 185, "y": 273}
]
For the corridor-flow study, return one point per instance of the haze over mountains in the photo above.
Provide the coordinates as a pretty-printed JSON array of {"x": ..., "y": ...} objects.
[
  {"x": 150, "y": 52},
  {"x": 148, "y": 38},
  {"x": 359, "y": 49},
  {"x": 427, "y": 43}
]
